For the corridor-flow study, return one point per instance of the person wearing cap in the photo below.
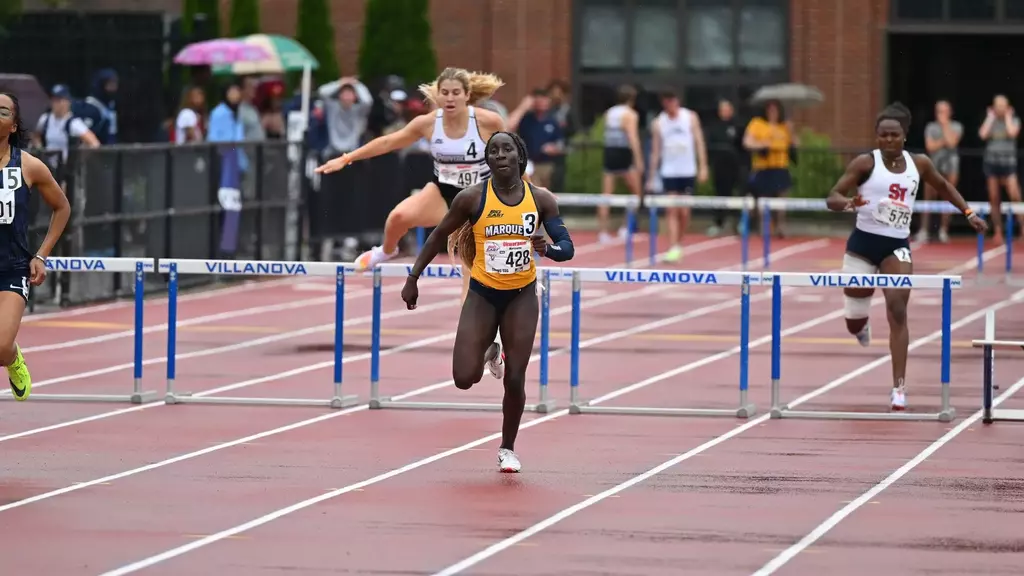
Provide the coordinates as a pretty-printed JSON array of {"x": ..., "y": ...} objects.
[{"x": 58, "y": 127}]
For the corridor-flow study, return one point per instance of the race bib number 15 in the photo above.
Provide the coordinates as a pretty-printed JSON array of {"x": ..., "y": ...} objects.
[{"x": 10, "y": 182}]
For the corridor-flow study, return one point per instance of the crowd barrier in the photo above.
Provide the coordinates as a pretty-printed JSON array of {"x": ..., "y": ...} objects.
[
  {"x": 137, "y": 266},
  {"x": 744, "y": 408},
  {"x": 989, "y": 344},
  {"x": 764, "y": 206}
]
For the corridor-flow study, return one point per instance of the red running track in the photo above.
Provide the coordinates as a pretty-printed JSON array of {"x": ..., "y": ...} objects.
[{"x": 91, "y": 489}]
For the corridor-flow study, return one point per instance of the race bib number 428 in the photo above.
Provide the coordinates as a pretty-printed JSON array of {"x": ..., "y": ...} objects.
[
  {"x": 893, "y": 214},
  {"x": 508, "y": 256},
  {"x": 10, "y": 182}
]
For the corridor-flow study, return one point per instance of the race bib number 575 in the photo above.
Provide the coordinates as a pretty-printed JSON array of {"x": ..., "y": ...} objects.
[
  {"x": 10, "y": 182},
  {"x": 893, "y": 214}
]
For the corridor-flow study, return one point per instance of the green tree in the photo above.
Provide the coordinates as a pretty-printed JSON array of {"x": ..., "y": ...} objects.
[
  {"x": 397, "y": 40},
  {"x": 9, "y": 10},
  {"x": 316, "y": 32},
  {"x": 211, "y": 9},
  {"x": 244, "y": 18}
]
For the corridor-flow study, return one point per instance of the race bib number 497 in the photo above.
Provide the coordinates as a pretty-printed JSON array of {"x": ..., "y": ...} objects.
[
  {"x": 459, "y": 175},
  {"x": 10, "y": 182},
  {"x": 507, "y": 256}
]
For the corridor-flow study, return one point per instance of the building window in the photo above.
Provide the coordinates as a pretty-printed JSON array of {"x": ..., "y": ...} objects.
[
  {"x": 972, "y": 9},
  {"x": 655, "y": 29},
  {"x": 603, "y": 45},
  {"x": 1014, "y": 9},
  {"x": 917, "y": 9},
  {"x": 709, "y": 34},
  {"x": 762, "y": 38}
]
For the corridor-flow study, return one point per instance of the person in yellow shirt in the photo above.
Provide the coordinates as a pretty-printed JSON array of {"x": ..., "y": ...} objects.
[
  {"x": 769, "y": 138},
  {"x": 496, "y": 228}
]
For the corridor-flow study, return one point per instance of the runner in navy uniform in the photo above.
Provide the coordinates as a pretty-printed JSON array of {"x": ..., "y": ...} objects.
[{"x": 19, "y": 266}]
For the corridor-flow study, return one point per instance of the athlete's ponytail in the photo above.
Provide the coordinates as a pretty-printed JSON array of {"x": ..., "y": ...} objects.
[
  {"x": 478, "y": 85},
  {"x": 19, "y": 137},
  {"x": 462, "y": 243}
]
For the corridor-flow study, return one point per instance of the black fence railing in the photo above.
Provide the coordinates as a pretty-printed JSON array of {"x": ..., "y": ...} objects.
[{"x": 162, "y": 201}]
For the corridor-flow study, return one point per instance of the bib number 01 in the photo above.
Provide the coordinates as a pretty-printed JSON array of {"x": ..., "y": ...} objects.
[{"x": 10, "y": 182}]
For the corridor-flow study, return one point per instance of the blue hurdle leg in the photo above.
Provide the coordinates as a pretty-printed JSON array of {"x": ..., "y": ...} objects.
[
  {"x": 745, "y": 236},
  {"x": 652, "y": 241},
  {"x": 766, "y": 235},
  {"x": 981, "y": 252},
  {"x": 1009, "y": 241},
  {"x": 172, "y": 327}
]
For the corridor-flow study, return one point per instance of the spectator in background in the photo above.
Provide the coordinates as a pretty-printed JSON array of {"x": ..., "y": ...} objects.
[
  {"x": 190, "y": 123},
  {"x": 999, "y": 131},
  {"x": 538, "y": 125},
  {"x": 99, "y": 109},
  {"x": 226, "y": 126},
  {"x": 941, "y": 138},
  {"x": 347, "y": 104},
  {"x": 623, "y": 157},
  {"x": 725, "y": 141},
  {"x": 769, "y": 138},
  {"x": 270, "y": 103},
  {"x": 248, "y": 113},
  {"x": 58, "y": 129},
  {"x": 558, "y": 92}
]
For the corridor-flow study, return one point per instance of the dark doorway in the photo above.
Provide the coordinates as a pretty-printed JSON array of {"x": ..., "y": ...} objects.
[{"x": 966, "y": 70}]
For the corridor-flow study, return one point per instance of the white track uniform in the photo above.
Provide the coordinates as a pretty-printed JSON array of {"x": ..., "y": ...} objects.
[{"x": 882, "y": 231}]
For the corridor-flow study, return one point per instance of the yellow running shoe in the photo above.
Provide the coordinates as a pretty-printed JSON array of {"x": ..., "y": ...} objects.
[{"x": 21, "y": 380}]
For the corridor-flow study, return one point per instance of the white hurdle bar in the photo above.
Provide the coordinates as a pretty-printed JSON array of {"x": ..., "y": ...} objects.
[
  {"x": 137, "y": 266},
  {"x": 544, "y": 403},
  {"x": 655, "y": 201},
  {"x": 1007, "y": 209},
  {"x": 881, "y": 281},
  {"x": 173, "y": 267},
  {"x": 990, "y": 413},
  {"x": 744, "y": 408}
]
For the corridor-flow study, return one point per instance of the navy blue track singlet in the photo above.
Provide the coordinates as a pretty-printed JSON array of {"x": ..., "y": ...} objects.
[{"x": 14, "y": 252}]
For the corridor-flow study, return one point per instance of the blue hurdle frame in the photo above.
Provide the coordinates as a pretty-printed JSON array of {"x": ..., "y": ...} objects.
[
  {"x": 946, "y": 413},
  {"x": 545, "y": 404},
  {"x": 744, "y": 409},
  {"x": 989, "y": 344},
  {"x": 174, "y": 267},
  {"x": 136, "y": 266}
]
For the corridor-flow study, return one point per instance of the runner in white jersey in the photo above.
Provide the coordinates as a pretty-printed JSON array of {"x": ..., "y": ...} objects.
[
  {"x": 457, "y": 133},
  {"x": 622, "y": 155},
  {"x": 679, "y": 160},
  {"x": 884, "y": 185}
]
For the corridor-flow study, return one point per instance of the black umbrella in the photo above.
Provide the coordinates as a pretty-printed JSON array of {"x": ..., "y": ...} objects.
[{"x": 34, "y": 100}]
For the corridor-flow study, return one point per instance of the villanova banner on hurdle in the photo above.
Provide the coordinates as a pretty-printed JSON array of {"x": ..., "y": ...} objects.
[
  {"x": 138, "y": 267},
  {"x": 174, "y": 267},
  {"x": 880, "y": 281},
  {"x": 990, "y": 413},
  {"x": 743, "y": 280},
  {"x": 446, "y": 271}
]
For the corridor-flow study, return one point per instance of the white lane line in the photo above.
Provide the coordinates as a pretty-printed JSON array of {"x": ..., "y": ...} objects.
[
  {"x": 823, "y": 528},
  {"x": 152, "y": 560},
  {"x": 583, "y": 505}
]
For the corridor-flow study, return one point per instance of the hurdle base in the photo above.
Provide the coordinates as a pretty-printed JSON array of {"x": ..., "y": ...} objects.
[
  {"x": 336, "y": 402},
  {"x": 945, "y": 416},
  {"x": 387, "y": 402},
  {"x": 133, "y": 398},
  {"x": 1005, "y": 415},
  {"x": 586, "y": 408}
]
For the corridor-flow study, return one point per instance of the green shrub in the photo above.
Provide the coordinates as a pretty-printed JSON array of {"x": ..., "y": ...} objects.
[
  {"x": 817, "y": 166},
  {"x": 244, "y": 18},
  {"x": 315, "y": 31},
  {"x": 397, "y": 40}
]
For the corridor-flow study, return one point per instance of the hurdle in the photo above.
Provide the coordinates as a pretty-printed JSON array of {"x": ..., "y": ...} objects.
[
  {"x": 989, "y": 344},
  {"x": 137, "y": 266},
  {"x": 766, "y": 205},
  {"x": 654, "y": 202},
  {"x": 173, "y": 267},
  {"x": 544, "y": 402},
  {"x": 744, "y": 409},
  {"x": 916, "y": 281}
]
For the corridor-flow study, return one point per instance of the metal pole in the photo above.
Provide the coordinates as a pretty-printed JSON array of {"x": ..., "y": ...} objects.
[
  {"x": 947, "y": 313},
  {"x": 139, "y": 297},
  {"x": 776, "y": 340},
  {"x": 574, "y": 346},
  {"x": 375, "y": 337},
  {"x": 545, "y": 336},
  {"x": 339, "y": 328},
  {"x": 744, "y": 338},
  {"x": 172, "y": 321}
]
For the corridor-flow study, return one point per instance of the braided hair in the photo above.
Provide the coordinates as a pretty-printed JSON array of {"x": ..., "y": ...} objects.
[
  {"x": 19, "y": 137},
  {"x": 461, "y": 241},
  {"x": 895, "y": 111}
]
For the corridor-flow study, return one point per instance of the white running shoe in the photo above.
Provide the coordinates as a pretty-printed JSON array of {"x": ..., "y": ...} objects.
[
  {"x": 864, "y": 336},
  {"x": 508, "y": 461},
  {"x": 496, "y": 365},
  {"x": 898, "y": 399},
  {"x": 369, "y": 259}
]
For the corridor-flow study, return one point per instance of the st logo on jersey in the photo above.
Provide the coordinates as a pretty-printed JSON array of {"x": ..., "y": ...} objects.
[
  {"x": 527, "y": 228},
  {"x": 899, "y": 193}
]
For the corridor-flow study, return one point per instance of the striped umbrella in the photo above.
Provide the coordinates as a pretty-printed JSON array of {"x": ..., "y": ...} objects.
[{"x": 285, "y": 55}]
